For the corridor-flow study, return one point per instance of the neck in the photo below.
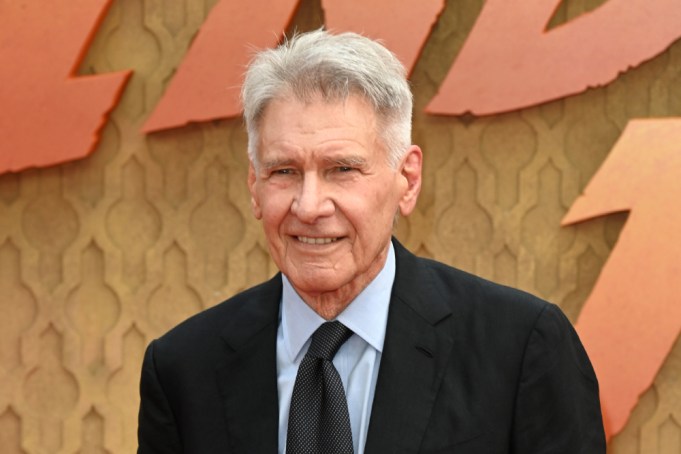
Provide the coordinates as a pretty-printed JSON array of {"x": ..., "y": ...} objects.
[{"x": 330, "y": 304}]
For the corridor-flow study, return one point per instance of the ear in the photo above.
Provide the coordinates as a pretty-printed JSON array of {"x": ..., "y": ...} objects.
[
  {"x": 410, "y": 170},
  {"x": 252, "y": 179}
]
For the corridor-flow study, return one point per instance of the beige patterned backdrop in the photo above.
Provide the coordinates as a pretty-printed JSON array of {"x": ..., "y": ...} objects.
[{"x": 99, "y": 256}]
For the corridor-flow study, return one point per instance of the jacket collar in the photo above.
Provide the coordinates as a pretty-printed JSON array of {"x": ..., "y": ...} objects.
[
  {"x": 247, "y": 377},
  {"x": 417, "y": 349},
  {"x": 416, "y": 352}
]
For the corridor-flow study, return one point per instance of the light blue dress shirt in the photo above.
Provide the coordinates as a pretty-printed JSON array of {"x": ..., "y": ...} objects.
[{"x": 357, "y": 360}]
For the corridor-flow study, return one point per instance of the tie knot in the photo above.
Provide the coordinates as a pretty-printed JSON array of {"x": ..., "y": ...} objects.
[{"x": 327, "y": 340}]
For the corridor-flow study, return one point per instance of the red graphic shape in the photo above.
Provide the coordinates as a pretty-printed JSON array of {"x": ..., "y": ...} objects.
[
  {"x": 206, "y": 85},
  {"x": 510, "y": 61},
  {"x": 633, "y": 316},
  {"x": 48, "y": 114},
  {"x": 403, "y": 27}
]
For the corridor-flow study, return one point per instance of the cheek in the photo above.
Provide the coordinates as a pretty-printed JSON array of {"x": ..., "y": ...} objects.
[
  {"x": 380, "y": 216},
  {"x": 274, "y": 210},
  {"x": 372, "y": 218}
]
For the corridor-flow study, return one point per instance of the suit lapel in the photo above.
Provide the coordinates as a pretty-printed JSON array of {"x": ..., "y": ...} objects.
[
  {"x": 417, "y": 348},
  {"x": 416, "y": 352},
  {"x": 248, "y": 377}
]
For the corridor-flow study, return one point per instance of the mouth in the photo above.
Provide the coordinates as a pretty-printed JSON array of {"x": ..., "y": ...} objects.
[{"x": 321, "y": 240}]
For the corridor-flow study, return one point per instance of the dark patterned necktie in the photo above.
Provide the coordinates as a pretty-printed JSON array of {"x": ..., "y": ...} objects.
[{"x": 318, "y": 421}]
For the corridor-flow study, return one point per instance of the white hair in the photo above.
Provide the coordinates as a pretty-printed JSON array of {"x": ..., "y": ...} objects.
[{"x": 334, "y": 67}]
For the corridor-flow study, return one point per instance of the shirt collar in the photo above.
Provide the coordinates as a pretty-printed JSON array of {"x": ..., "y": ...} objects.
[{"x": 366, "y": 316}]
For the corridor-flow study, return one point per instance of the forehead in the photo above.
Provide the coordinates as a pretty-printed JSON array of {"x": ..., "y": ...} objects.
[
  {"x": 294, "y": 122},
  {"x": 325, "y": 110}
]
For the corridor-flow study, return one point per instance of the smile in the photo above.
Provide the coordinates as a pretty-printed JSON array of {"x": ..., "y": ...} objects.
[{"x": 309, "y": 240}]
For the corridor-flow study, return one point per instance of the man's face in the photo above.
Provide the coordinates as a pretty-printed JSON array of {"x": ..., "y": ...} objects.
[{"x": 326, "y": 194}]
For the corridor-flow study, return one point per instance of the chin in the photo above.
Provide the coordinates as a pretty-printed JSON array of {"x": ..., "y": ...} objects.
[{"x": 316, "y": 283}]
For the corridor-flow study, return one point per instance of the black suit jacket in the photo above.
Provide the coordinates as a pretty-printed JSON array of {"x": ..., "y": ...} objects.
[{"x": 468, "y": 366}]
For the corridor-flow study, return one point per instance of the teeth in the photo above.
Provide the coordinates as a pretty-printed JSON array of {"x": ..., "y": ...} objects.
[{"x": 308, "y": 240}]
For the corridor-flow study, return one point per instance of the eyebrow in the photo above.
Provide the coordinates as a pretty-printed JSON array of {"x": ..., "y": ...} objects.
[
  {"x": 273, "y": 163},
  {"x": 349, "y": 161}
]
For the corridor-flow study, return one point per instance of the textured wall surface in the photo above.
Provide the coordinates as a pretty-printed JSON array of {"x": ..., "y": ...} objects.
[{"x": 100, "y": 256}]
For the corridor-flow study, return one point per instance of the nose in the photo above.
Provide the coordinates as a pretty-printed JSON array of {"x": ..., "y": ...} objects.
[{"x": 312, "y": 200}]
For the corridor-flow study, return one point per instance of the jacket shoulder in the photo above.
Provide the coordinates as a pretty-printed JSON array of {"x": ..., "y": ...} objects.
[
  {"x": 258, "y": 304},
  {"x": 463, "y": 293}
]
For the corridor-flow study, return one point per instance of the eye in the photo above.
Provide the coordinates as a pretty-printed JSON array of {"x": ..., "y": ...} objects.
[
  {"x": 344, "y": 169},
  {"x": 282, "y": 172}
]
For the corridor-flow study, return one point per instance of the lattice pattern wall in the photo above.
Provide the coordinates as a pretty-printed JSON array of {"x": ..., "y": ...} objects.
[{"x": 97, "y": 257}]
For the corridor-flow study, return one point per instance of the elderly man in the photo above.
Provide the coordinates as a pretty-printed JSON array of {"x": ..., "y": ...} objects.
[{"x": 358, "y": 345}]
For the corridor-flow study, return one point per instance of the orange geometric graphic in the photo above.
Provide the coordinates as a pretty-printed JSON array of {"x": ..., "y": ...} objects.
[
  {"x": 48, "y": 114},
  {"x": 632, "y": 318},
  {"x": 402, "y": 27},
  {"x": 206, "y": 85},
  {"x": 511, "y": 61}
]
